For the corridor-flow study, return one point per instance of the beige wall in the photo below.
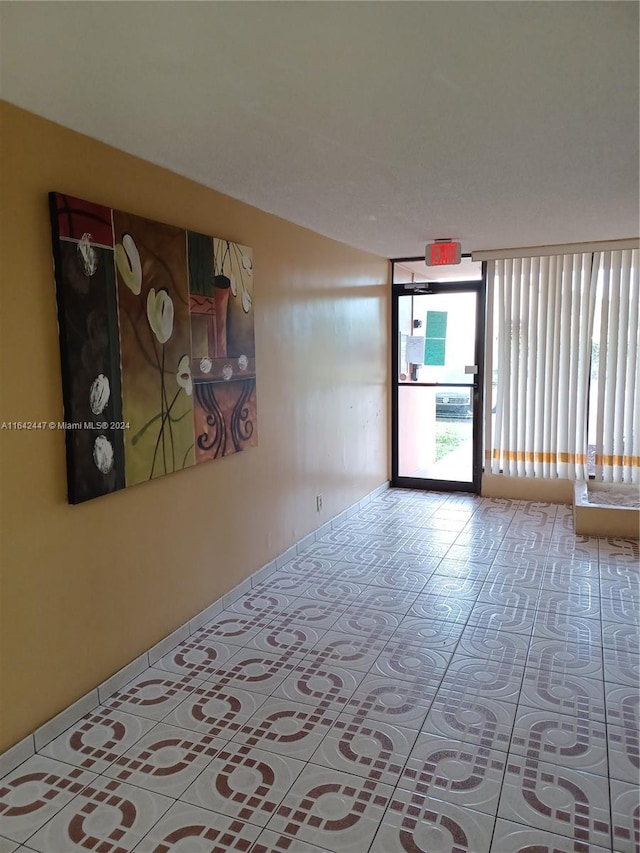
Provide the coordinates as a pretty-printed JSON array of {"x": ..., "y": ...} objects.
[{"x": 86, "y": 589}]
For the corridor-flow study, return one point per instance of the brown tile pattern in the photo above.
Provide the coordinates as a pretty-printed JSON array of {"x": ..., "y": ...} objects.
[{"x": 441, "y": 672}]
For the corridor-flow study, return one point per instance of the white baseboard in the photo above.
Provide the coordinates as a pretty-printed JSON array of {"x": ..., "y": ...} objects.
[{"x": 21, "y": 751}]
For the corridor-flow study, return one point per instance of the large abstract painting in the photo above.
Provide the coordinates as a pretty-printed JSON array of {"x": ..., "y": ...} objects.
[{"x": 157, "y": 346}]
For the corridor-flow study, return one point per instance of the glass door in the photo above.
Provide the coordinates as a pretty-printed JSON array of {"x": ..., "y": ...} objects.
[{"x": 437, "y": 374}]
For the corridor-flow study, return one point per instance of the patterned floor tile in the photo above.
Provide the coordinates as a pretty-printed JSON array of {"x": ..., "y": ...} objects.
[
  {"x": 107, "y": 816},
  {"x": 401, "y": 703},
  {"x": 536, "y": 512},
  {"x": 574, "y": 629},
  {"x": 287, "y": 728},
  {"x": 476, "y": 551},
  {"x": 461, "y": 569},
  {"x": 321, "y": 685},
  {"x": 624, "y": 753},
  {"x": 306, "y": 565},
  {"x": 35, "y": 791},
  {"x": 563, "y": 693},
  {"x": 321, "y": 551},
  {"x": 561, "y": 656},
  {"x": 244, "y": 783},
  {"x": 352, "y": 573},
  {"x": 332, "y": 809},
  {"x": 621, "y": 667},
  {"x": 467, "y": 775},
  {"x": 368, "y": 748},
  {"x": 623, "y": 706},
  {"x": 405, "y": 661},
  {"x": 577, "y": 548},
  {"x": 557, "y": 799},
  {"x": 483, "y": 721},
  {"x": 619, "y": 552},
  {"x": 569, "y": 741},
  {"x": 496, "y": 646},
  {"x": 565, "y": 604},
  {"x": 368, "y": 623},
  {"x": 537, "y": 535},
  {"x": 366, "y": 555},
  {"x": 403, "y": 579},
  {"x": 475, "y": 534},
  {"x": 166, "y": 760},
  {"x": 625, "y": 816},
  {"x": 320, "y": 615},
  {"x": 520, "y": 571},
  {"x": 283, "y": 584},
  {"x": 198, "y": 656},
  {"x": 189, "y": 829},
  {"x": 232, "y": 628},
  {"x": 536, "y": 547},
  {"x": 419, "y": 824},
  {"x": 263, "y": 604},
  {"x": 439, "y": 634},
  {"x": 472, "y": 678},
  {"x": 441, "y": 531},
  {"x": 564, "y": 579},
  {"x": 504, "y": 592},
  {"x": 153, "y": 694},
  {"x": 448, "y": 607},
  {"x": 502, "y": 617},
  {"x": 621, "y": 603},
  {"x": 346, "y": 650},
  {"x": 511, "y": 837},
  {"x": 97, "y": 739},
  {"x": 501, "y": 582},
  {"x": 618, "y": 572},
  {"x": 396, "y": 601},
  {"x": 279, "y": 639},
  {"x": 216, "y": 710},
  {"x": 251, "y": 669},
  {"x": 460, "y": 587},
  {"x": 344, "y": 592},
  {"x": 423, "y": 548},
  {"x": 277, "y": 842}
]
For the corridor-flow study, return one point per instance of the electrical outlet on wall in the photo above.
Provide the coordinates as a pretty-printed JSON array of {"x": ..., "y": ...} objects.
[{"x": 319, "y": 503}]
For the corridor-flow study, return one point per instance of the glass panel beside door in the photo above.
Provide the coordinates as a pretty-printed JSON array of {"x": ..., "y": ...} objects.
[{"x": 436, "y": 385}]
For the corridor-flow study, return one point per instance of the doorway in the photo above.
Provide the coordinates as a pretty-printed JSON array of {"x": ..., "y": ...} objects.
[{"x": 437, "y": 385}]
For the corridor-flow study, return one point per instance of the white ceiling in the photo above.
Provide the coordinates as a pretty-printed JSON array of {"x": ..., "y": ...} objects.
[{"x": 381, "y": 124}]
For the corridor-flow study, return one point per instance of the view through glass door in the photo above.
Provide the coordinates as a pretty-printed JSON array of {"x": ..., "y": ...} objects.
[{"x": 437, "y": 385}]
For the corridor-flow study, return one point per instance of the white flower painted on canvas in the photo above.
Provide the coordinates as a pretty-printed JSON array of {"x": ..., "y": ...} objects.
[
  {"x": 243, "y": 361},
  {"x": 129, "y": 264},
  {"x": 87, "y": 254},
  {"x": 227, "y": 372},
  {"x": 246, "y": 300},
  {"x": 183, "y": 376},
  {"x": 206, "y": 364},
  {"x": 160, "y": 314},
  {"x": 103, "y": 454},
  {"x": 99, "y": 394}
]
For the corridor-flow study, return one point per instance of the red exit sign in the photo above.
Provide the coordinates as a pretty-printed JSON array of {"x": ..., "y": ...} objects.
[{"x": 441, "y": 253}]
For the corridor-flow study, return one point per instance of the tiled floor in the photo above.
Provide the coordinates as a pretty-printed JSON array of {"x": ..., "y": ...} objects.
[{"x": 442, "y": 673}]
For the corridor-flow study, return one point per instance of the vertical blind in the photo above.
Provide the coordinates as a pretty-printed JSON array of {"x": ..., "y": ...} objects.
[
  {"x": 563, "y": 366},
  {"x": 540, "y": 314},
  {"x": 616, "y": 383}
]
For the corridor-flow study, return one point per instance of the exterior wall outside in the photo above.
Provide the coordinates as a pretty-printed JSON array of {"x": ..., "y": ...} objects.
[{"x": 88, "y": 588}]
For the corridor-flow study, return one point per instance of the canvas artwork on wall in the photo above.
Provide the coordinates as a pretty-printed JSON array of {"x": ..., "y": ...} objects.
[{"x": 157, "y": 346}]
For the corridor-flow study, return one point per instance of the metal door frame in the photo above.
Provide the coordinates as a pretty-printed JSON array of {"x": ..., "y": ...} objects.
[{"x": 418, "y": 288}]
